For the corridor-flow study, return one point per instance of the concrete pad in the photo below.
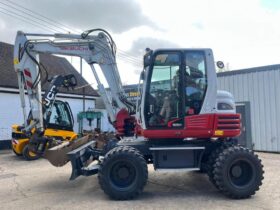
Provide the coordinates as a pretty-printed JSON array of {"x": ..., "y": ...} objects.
[{"x": 39, "y": 185}]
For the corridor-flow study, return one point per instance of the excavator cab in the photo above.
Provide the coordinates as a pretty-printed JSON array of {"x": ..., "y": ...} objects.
[
  {"x": 58, "y": 126},
  {"x": 60, "y": 117},
  {"x": 178, "y": 83}
]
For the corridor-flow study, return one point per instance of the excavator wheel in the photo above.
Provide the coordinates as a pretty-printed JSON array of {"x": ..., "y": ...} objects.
[
  {"x": 123, "y": 173},
  {"x": 212, "y": 160},
  {"x": 238, "y": 172},
  {"x": 28, "y": 155}
]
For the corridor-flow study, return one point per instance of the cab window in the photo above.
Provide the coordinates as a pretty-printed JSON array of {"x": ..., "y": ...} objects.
[
  {"x": 59, "y": 118},
  {"x": 163, "y": 94},
  {"x": 195, "y": 81}
]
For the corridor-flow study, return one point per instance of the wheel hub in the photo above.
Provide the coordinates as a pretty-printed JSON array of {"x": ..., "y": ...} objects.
[
  {"x": 241, "y": 173},
  {"x": 123, "y": 173},
  {"x": 236, "y": 171}
]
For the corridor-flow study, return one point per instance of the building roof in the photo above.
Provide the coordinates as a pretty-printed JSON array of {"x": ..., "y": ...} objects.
[
  {"x": 250, "y": 70},
  {"x": 55, "y": 66}
]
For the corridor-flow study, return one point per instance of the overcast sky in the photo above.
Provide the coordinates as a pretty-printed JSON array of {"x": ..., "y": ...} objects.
[{"x": 243, "y": 34}]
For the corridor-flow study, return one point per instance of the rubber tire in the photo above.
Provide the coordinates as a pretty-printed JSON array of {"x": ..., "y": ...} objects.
[
  {"x": 221, "y": 172},
  {"x": 17, "y": 154},
  {"x": 134, "y": 157},
  {"x": 27, "y": 156},
  {"x": 212, "y": 160}
]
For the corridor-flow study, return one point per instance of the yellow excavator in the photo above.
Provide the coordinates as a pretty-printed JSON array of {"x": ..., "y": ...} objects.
[{"x": 57, "y": 117}]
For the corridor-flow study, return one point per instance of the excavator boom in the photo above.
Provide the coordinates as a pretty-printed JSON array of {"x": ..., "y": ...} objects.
[
  {"x": 94, "y": 49},
  {"x": 97, "y": 49}
]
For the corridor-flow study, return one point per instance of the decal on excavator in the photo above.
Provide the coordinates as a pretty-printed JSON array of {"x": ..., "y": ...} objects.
[
  {"x": 74, "y": 48},
  {"x": 50, "y": 96}
]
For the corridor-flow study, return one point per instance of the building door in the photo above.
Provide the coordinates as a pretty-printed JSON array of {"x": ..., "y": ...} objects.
[{"x": 245, "y": 138}]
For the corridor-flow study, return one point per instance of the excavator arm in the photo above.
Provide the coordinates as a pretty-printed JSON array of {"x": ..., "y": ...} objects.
[{"x": 99, "y": 49}]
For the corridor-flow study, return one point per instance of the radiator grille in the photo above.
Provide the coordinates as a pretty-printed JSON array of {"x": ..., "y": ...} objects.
[{"x": 228, "y": 122}]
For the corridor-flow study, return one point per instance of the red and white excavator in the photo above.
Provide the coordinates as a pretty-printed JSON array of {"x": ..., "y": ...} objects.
[{"x": 181, "y": 121}]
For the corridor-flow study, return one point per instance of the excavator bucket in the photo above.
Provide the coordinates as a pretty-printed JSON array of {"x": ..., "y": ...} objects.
[
  {"x": 83, "y": 153},
  {"x": 57, "y": 155}
]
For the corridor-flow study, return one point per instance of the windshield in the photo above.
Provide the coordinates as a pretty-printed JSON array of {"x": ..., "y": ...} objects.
[
  {"x": 60, "y": 117},
  {"x": 162, "y": 102}
]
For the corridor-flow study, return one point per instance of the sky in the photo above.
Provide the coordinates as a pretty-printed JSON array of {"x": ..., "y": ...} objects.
[{"x": 242, "y": 34}]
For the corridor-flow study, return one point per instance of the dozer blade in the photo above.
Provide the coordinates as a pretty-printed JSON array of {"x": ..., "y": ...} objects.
[
  {"x": 85, "y": 159},
  {"x": 57, "y": 155},
  {"x": 80, "y": 160}
]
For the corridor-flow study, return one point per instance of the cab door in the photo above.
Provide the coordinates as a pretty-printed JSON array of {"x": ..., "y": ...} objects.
[
  {"x": 163, "y": 97},
  {"x": 194, "y": 81},
  {"x": 61, "y": 117}
]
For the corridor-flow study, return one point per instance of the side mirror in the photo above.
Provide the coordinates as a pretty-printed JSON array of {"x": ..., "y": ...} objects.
[
  {"x": 70, "y": 81},
  {"x": 148, "y": 57},
  {"x": 220, "y": 64}
]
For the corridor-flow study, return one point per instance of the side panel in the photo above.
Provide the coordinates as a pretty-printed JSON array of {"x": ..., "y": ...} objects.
[
  {"x": 68, "y": 135},
  {"x": 209, "y": 105},
  {"x": 19, "y": 145},
  {"x": 201, "y": 126}
]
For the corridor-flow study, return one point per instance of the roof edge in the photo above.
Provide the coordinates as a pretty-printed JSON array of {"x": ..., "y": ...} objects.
[
  {"x": 15, "y": 89},
  {"x": 249, "y": 70}
]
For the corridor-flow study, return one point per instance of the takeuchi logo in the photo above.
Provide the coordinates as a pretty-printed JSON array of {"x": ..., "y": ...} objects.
[{"x": 74, "y": 48}]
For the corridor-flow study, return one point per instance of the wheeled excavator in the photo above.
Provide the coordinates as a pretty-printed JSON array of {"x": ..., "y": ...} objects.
[
  {"x": 57, "y": 116},
  {"x": 180, "y": 123}
]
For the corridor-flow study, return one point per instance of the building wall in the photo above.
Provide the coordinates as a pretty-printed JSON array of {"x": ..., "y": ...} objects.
[
  {"x": 260, "y": 86},
  {"x": 10, "y": 113}
]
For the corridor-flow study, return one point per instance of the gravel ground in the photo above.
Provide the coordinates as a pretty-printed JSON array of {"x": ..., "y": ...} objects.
[{"x": 39, "y": 185}]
